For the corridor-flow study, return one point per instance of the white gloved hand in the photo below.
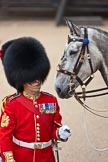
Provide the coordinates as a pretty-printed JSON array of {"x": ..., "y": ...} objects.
[
  {"x": 64, "y": 132},
  {"x": 0, "y": 159}
]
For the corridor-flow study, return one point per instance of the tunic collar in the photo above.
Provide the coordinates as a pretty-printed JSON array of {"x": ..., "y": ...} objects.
[{"x": 32, "y": 97}]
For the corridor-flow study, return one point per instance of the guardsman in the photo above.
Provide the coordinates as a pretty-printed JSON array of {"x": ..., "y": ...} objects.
[{"x": 30, "y": 119}]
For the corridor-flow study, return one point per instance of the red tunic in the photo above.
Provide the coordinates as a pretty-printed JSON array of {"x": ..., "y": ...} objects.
[{"x": 18, "y": 121}]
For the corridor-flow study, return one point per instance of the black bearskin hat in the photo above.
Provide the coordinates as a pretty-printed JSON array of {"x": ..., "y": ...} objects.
[{"x": 24, "y": 60}]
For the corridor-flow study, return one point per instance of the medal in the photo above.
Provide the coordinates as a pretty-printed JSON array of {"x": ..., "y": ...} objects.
[{"x": 47, "y": 108}]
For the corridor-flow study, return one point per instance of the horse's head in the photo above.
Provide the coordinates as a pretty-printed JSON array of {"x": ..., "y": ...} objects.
[{"x": 75, "y": 66}]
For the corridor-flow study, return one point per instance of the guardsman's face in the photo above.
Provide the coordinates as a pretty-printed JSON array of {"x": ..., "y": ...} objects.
[{"x": 33, "y": 87}]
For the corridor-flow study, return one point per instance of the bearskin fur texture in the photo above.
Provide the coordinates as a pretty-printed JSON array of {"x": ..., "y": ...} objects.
[{"x": 24, "y": 60}]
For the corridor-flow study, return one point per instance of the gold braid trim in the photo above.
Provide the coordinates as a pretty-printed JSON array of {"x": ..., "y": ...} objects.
[
  {"x": 7, "y": 99},
  {"x": 32, "y": 97},
  {"x": 9, "y": 156},
  {"x": 2, "y": 104}
]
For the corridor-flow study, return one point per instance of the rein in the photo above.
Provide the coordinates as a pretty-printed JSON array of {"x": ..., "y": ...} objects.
[{"x": 93, "y": 91}]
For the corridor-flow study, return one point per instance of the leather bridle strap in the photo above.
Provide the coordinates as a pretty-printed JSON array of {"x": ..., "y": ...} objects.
[
  {"x": 65, "y": 72},
  {"x": 80, "y": 61}
]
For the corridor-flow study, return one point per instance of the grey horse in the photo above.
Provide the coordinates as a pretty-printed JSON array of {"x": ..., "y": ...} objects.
[{"x": 85, "y": 52}]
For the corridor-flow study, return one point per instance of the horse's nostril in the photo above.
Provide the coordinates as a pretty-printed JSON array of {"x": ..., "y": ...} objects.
[{"x": 58, "y": 90}]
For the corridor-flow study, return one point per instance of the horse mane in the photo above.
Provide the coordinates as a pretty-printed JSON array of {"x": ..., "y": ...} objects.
[
  {"x": 101, "y": 42},
  {"x": 101, "y": 31}
]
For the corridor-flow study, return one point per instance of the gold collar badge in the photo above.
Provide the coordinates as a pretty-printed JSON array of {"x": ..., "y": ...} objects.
[{"x": 32, "y": 97}]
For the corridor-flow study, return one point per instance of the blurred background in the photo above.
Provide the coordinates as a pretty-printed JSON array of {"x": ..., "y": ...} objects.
[
  {"x": 78, "y": 10},
  {"x": 45, "y": 20}
]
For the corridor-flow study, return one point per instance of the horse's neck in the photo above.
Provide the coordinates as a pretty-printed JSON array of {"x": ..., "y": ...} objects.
[{"x": 101, "y": 41}]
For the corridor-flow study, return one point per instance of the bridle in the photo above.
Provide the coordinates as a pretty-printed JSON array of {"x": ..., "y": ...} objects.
[
  {"x": 79, "y": 63},
  {"x": 78, "y": 95}
]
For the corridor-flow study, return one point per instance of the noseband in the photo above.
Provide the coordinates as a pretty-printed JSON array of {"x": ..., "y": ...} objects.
[{"x": 79, "y": 63}]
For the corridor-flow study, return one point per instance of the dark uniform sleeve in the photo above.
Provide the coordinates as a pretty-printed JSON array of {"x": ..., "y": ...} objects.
[
  {"x": 57, "y": 121},
  {"x": 7, "y": 125}
]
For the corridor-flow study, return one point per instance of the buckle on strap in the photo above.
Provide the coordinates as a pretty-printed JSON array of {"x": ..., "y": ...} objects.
[
  {"x": 42, "y": 145},
  {"x": 38, "y": 145},
  {"x": 32, "y": 145}
]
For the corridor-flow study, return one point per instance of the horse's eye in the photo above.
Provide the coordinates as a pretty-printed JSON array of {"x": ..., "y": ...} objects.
[
  {"x": 71, "y": 39},
  {"x": 74, "y": 40},
  {"x": 72, "y": 52}
]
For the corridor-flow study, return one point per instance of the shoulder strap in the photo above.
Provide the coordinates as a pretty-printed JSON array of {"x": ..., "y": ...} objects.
[
  {"x": 31, "y": 108},
  {"x": 27, "y": 104}
]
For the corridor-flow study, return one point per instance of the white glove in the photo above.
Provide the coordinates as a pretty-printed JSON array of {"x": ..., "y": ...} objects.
[
  {"x": 64, "y": 132},
  {"x": 0, "y": 159}
]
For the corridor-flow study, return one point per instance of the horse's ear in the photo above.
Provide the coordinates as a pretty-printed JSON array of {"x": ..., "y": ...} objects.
[
  {"x": 74, "y": 30},
  {"x": 69, "y": 24}
]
